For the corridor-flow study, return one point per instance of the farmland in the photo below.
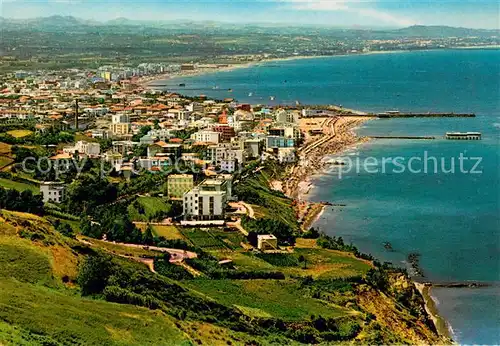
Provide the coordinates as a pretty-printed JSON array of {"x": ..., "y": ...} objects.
[
  {"x": 204, "y": 239},
  {"x": 19, "y": 133}
]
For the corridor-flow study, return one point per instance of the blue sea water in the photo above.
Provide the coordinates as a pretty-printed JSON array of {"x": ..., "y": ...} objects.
[{"x": 451, "y": 220}]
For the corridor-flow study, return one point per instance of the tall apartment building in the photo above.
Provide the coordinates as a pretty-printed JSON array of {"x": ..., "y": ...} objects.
[{"x": 207, "y": 201}]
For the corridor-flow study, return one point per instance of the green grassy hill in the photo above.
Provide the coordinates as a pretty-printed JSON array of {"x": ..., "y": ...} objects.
[{"x": 57, "y": 290}]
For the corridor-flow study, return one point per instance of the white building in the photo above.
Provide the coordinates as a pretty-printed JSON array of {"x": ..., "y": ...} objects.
[
  {"x": 160, "y": 134},
  {"x": 286, "y": 155},
  {"x": 195, "y": 107},
  {"x": 315, "y": 113},
  {"x": 253, "y": 147},
  {"x": 120, "y": 124},
  {"x": 206, "y": 137},
  {"x": 82, "y": 147},
  {"x": 99, "y": 133},
  {"x": 228, "y": 165},
  {"x": 120, "y": 118},
  {"x": 267, "y": 242},
  {"x": 52, "y": 192},
  {"x": 179, "y": 114},
  {"x": 207, "y": 201}
]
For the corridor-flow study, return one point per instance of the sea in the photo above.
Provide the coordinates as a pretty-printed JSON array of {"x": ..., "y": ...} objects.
[{"x": 449, "y": 218}]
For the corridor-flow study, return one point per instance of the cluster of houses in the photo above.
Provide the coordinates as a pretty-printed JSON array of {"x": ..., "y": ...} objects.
[{"x": 153, "y": 130}]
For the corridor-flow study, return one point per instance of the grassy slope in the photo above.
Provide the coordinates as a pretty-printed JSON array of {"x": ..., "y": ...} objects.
[
  {"x": 328, "y": 264},
  {"x": 151, "y": 206},
  {"x": 4, "y": 161},
  {"x": 35, "y": 307},
  {"x": 70, "y": 319},
  {"x": 272, "y": 206},
  {"x": 5, "y": 148},
  {"x": 168, "y": 231},
  {"x": 265, "y": 298},
  {"x": 16, "y": 185}
]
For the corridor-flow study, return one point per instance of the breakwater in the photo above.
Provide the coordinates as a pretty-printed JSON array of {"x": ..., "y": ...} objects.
[
  {"x": 425, "y": 115},
  {"x": 403, "y": 137}
]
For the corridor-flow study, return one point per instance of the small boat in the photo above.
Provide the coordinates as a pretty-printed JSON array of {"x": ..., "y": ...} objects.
[
  {"x": 230, "y": 90},
  {"x": 215, "y": 87},
  {"x": 271, "y": 98},
  {"x": 182, "y": 84},
  {"x": 250, "y": 94}
]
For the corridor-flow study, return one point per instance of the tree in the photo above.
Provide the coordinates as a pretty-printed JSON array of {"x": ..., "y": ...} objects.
[
  {"x": 94, "y": 274},
  {"x": 65, "y": 229},
  {"x": 148, "y": 237},
  {"x": 302, "y": 259}
]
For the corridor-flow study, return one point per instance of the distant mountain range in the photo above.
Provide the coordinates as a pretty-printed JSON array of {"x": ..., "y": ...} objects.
[{"x": 73, "y": 23}]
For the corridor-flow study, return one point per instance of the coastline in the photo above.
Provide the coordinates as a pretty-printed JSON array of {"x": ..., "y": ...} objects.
[
  {"x": 440, "y": 323},
  {"x": 303, "y": 187},
  {"x": 149, "y": 81},
  {"x": 341, "y": 138}
]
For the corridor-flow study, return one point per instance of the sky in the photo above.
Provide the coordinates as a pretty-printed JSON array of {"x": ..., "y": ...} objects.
[{"x": 338, "y": 13}]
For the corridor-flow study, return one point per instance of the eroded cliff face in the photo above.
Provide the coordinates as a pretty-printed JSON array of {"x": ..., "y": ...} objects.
[{"x": 399, "y": 314}]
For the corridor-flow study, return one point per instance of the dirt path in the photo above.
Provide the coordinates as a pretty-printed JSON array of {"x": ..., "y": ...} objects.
[
  {"x": 176, "y": 255},
  {"x": 238, "y": 226}
]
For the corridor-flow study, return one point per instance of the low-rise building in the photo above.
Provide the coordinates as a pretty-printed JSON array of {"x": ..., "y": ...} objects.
[
  {"x": 52, "y": 192},
  {"x": 286, "y": 155},
  {"x": 253, "y": 147},
  {"x": 206, "y": 137},
  {"x": 120, "y": 124},
  {"x": 228, "y": 165},
  {"x": 226, "y": 132},
  {"x": 82, "y": 147},
  {"x": 267, "y": 242},
  {"x": 274, "y": 142}
]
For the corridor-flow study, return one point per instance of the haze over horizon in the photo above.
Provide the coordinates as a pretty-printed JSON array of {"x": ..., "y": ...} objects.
[{"x": 483, "y": 14}]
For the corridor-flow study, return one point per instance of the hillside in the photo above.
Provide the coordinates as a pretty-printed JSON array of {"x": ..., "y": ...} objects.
[{"x": 61, "y": 290}]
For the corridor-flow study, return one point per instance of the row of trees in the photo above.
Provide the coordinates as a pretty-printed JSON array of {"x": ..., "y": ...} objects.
[{"x": 24, "y": 201}]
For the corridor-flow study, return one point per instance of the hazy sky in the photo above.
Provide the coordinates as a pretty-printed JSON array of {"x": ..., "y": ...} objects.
[{"x": 386, "y": 13}]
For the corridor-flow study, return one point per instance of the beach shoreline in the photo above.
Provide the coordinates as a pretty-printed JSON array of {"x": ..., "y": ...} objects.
[
  {"x": 298, "y": 184},
  {"x": 440, "y": 323},
  {"x": 149, "y": 81},
  {"x": 301, "y": 192}
]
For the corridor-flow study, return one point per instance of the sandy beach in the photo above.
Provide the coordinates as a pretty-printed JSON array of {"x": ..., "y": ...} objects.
[
  {"x": 430, "y": 307},
  {"x": 338, "y": 136}
]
